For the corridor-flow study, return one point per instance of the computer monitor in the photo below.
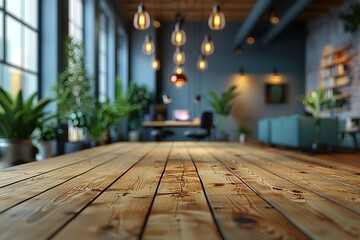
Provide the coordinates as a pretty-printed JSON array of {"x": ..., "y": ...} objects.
[{"x": 181, "y": 115}]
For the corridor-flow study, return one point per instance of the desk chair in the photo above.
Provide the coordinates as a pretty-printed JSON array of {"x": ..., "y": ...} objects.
[
  {"x": 158, "y": 113},
  {"x": 206, "y": 123}
]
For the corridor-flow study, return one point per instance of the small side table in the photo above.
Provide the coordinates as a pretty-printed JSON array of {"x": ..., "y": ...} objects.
[{"x": 352, "y": 133}]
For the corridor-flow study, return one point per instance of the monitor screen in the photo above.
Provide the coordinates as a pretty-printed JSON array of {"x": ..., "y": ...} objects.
[{"x": 181, "y": 115}]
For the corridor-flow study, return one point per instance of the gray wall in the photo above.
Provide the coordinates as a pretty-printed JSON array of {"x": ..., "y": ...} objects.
[{"x": 286, "y": 54}]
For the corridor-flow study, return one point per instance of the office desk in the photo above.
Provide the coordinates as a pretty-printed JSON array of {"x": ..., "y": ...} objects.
[
  {"x": 181, "y": 190},
  {"x": 172, "y": 124}
]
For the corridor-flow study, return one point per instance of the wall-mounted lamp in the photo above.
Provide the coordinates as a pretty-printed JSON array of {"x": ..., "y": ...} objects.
[
  {"x": 197, "y": 99},
  {"x": 274, "y": 19},
  {"x": 275, "y": 72},
  {"x": 141, "y": 18},
  {"x": 250, "y": 40},
  {"x": 241, "y": 72},
  {"x": 166, "y": 99},
  {"x": 239, "y": 50}
]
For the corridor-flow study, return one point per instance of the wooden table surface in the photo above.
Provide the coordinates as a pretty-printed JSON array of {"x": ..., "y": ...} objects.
[
  {"x": 203, "y": 190},
  {"x": 170, "y": 123}
]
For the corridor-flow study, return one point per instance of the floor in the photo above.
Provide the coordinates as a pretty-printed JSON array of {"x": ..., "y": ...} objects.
[{"x": 183, "y": 190}]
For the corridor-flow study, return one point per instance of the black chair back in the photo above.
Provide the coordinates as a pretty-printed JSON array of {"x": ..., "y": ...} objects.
[{"x": 206, "y": 120}]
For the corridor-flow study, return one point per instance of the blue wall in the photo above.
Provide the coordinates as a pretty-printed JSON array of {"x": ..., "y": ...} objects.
[{"x": 286, "y": 54}]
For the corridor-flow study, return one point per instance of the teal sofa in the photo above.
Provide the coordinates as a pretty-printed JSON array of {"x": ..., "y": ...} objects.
[{"x": 297, "y": 131}]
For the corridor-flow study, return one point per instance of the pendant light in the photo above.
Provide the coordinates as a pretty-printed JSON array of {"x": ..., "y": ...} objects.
[
  {"x": 216, "y": 19},
  {"x": 178, "y": 36},
  {"x": 155, "y": 64},
  {"x": 178, "y": 80},
  {"x": 148, "y": 46},
  {"x": 141, "y": 18},
  {"x": 179, "y": 56},
  {"x": 202, "y": 63},
  {"x": 178, "y": 69},
  {"x": 207, "y": 46}
]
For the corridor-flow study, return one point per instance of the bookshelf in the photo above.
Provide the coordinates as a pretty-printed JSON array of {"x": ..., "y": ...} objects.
[{"x": 335, "y": 76}]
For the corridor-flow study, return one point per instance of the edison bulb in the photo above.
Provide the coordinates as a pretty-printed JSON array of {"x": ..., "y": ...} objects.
[
  {"x": 216, "y": 19},
  {"x": 148, "y": 46},
  {"x": 141, "y": 18},
  {"x": 207, "y": 46},
  {"x": 202, "y": 63},
  {"x": 178, "y": 69},
  {"x": 178, "y": 36},
  {"x": 155, "y": 64},
  {"x": 179, "y": 56}
]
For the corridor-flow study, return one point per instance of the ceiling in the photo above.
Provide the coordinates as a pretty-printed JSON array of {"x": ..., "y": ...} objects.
[{"x": 166, "y": 10}]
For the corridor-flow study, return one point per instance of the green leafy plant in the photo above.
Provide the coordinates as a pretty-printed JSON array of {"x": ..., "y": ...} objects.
[
  {"x": 140, "y": 96},
  {"x": 104, "y": 115},
  {"x": 74, "y": 89},
  {"x": 222, "y": 105},
  {"x": 19, "y": 117},
  {"x": 46, "y": 132},
  {"x": 350, "y": 16},
  {"x": 242, "y": 129},
  {"x": 123, "y": 105},
  {"x": 315, "y": 102}
]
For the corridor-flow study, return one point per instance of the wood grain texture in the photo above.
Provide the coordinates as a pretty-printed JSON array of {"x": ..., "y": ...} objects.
[
  {"x": 239, "y": 210},
  {"x": 202, "y": 190},
  {"x": 21, "y": 172},
  {"x": 313, "y": 214},
  {"x": 31, "y": 219},
  {"x": 180, "y": 210},
  {"x": 121, "y": 211},
  {"x": 342, "y": 194}
]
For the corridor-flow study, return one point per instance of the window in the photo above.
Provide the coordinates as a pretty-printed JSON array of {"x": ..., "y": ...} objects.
[
  {"x": 76, "y": 19},
  {"x": 19, "y": 45},
  {"x": 103, "y": 56}
]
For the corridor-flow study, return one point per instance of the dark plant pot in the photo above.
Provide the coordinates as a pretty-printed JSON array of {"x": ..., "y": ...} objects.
[
  {"x": 94, "y": 144},
  {"x": 71, "y": 147},
  {"x": 14, "y": 152},
  {"x": 222, "y": 137},
  {"x": 318, "y": 148}
]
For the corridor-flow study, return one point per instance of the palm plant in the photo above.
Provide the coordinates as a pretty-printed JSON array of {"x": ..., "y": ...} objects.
[
  {"x": 19, "y": 117},
  {"x": 222, "y": 105}
]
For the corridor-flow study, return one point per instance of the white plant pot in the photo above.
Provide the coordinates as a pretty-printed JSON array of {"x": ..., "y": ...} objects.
[
  {"x": 45, "y": 150},
  {"x": 134, "y": 136},
  {"x": 242, "y": 138}
]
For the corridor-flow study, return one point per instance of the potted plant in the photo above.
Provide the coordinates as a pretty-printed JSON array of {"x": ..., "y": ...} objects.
[
  {"x": 222, "y": 106},
  {"x": 140, "y": 96},
  {"x": 122, "y": 107},
  {"x": 18, "y": 119},
  {"x": 104, "y": 115},
  {"x": 315, "y": 102},
  {"x": 243, "y": 132},
  {"x": 43, "y": 137},
  {"x": 74, "y": 91}
]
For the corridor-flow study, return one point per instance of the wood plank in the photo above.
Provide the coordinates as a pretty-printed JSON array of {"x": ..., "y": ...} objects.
[
  {"x": 180, "y": 209},
  {"x": 239, "y": 210},
  {"x": 120, "y": 212},
  {"x": 42, "y": 216},
  {"x": 18, "y": 192},
  {"x": 316, "y": 216},
  {"x": 345, "y": 196},
  {"x": 14, "y": 194},
  {"x": 26, "y": 171},
  {"x": 348, "y": 176}
]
